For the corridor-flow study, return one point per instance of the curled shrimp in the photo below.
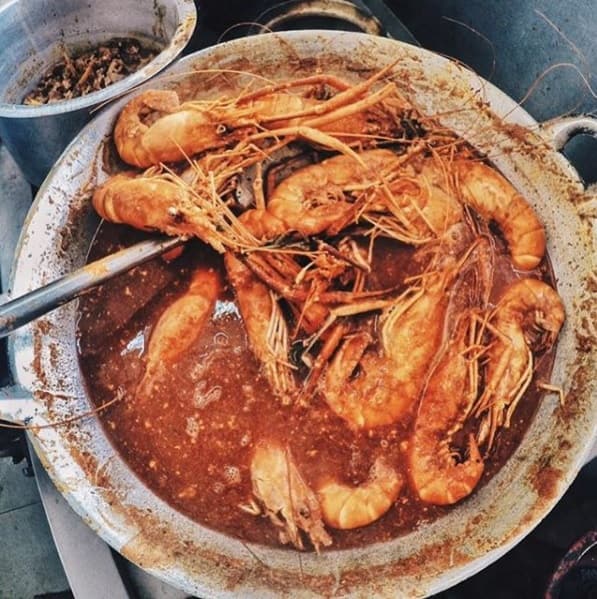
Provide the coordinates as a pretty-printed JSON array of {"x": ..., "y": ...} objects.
[
  {"x": 528, "y": 310},
  {"x": 181, "y": 130},
  {"x": 435, "y": 473},
  {"x": 371, "y": 382},
  {"x": 494, "y": 198},
  {"x": 285, "y": 496},
  {"x": 313, "y": 199},
  {"x": 179, "y": 326},
  {"x": 344, "y": 506},
  {"x": 328, "y": 196},
  {"x": 136, "y": 141},
  {"x": 388, "y": 381}
]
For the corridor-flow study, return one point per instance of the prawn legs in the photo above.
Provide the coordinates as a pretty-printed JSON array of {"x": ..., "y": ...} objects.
[
  {"x": 436, "y": 472},
  {"x": 529, "y": 313},
  {"x": 286, "y": 498},
  {"x": 529, "y": 310}
]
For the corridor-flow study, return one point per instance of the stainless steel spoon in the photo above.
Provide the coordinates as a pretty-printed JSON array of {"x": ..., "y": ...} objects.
[{"x": 22, "y": 310}]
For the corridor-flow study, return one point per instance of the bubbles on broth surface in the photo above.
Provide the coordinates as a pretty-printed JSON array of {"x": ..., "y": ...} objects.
[{"x": 232, "y": 475}]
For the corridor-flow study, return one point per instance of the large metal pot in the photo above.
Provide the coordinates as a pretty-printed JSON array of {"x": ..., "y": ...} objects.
[{"x": 107, "y": 494}]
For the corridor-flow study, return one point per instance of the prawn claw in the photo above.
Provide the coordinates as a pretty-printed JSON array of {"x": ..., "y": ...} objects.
[{"x": 436, "y": 476}]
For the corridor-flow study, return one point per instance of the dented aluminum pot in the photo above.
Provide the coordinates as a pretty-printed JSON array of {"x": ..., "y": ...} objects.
[{"x": 112, "y": 500}]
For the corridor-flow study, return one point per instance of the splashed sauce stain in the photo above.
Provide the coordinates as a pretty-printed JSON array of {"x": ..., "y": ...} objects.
[{"x": 191, "y": 442}]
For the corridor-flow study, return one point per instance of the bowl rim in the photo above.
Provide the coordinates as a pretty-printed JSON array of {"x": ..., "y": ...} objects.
[{"x": 187, "y": 19}]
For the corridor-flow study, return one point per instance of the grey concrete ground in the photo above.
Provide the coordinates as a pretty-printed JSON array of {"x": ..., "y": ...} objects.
[{"x": 29, "y": 563}]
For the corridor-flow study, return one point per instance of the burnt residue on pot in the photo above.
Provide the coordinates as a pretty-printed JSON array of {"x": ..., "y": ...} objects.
[
  {"x": 545, "y": 478},
  {"x": 159, "y": 548},
  {"x": 586, "y": 333}
]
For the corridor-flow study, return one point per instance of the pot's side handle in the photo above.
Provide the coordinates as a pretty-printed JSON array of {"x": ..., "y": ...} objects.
[
  {"x": 561, "y": 130},
  {"x": 558, "y": 132},
  {"x": 16, "y": 405}
]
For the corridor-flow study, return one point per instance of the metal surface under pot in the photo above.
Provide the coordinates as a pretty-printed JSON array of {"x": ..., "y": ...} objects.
[{"x": 105, "y": 492}]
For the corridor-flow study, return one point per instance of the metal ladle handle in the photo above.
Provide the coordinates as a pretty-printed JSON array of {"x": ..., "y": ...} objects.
[{"x": 22, "y": 310}]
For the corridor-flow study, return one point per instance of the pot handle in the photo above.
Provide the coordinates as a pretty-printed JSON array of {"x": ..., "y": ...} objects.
[
  {"x": 17, "y": 405},
  {"x": 279, "y": 14},
  {"x": 559, "y": 131}
]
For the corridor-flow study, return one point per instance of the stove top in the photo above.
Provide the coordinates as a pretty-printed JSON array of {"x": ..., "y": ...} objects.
[{"x": 93, "y": 570}]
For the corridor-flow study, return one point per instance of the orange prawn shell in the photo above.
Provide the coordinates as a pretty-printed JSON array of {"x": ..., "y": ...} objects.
[
  {"x": 432, "y": 472},
  {"x": 494, "y": 198}
]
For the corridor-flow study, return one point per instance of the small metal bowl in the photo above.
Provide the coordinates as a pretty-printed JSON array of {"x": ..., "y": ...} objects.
[{"x": 33, "y": 34}]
